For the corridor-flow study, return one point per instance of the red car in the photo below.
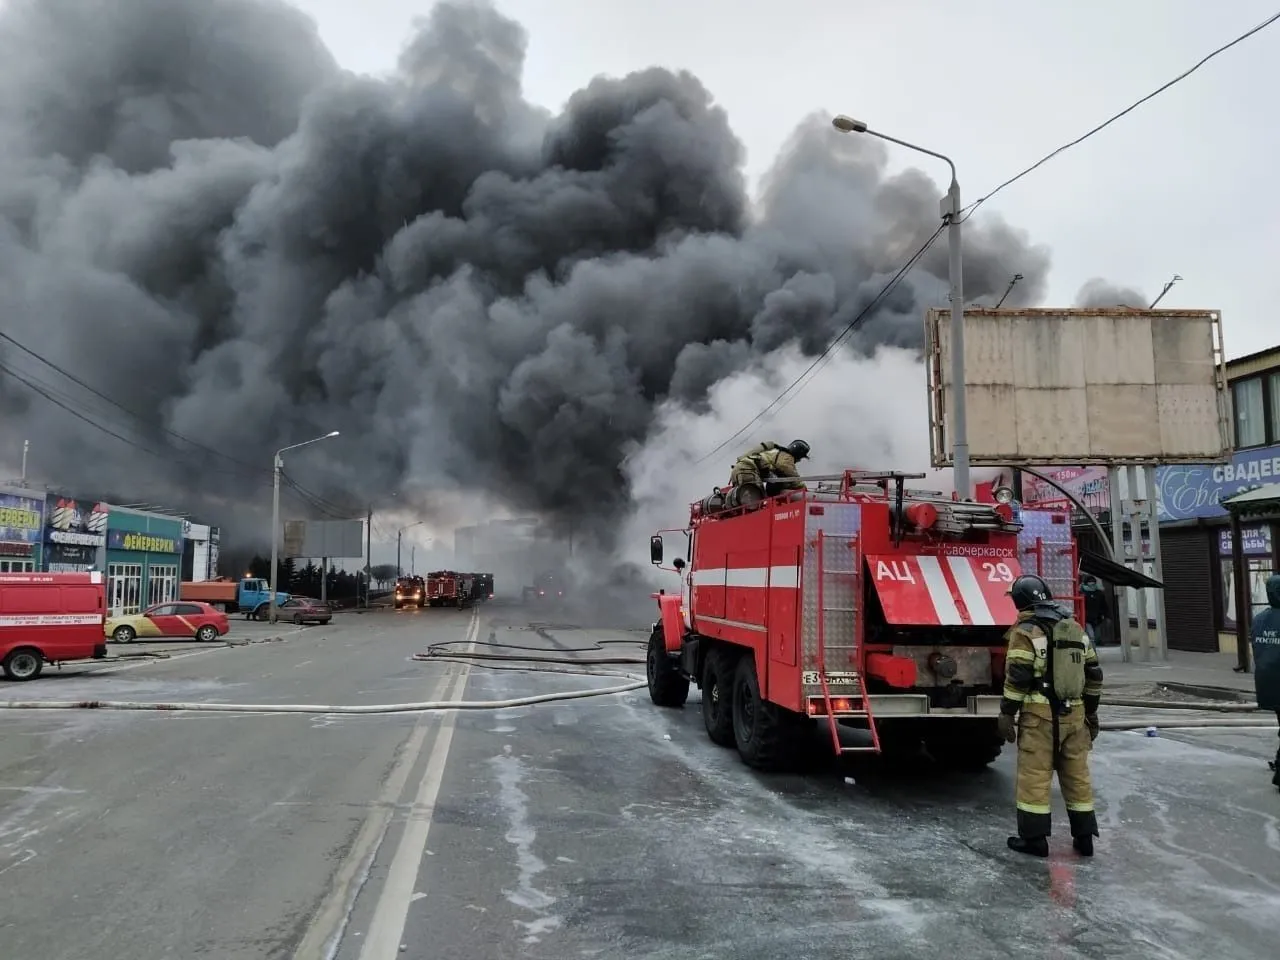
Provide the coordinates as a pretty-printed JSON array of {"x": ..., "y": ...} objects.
[
  {"x": 304, "y": 610},
  {"x": 186, "y": 618}
]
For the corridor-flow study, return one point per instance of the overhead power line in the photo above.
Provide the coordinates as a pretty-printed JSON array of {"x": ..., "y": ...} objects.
[
  {"x": 800, "y": 382},
  {"x": 972, "y": 208},
  {"x": 67, "y": 403}
]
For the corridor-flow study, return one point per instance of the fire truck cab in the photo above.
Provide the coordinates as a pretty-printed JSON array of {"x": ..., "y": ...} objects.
[{"x": 857, "y": 602}]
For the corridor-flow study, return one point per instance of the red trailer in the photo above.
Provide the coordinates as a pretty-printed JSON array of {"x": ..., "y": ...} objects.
[
  {"x": 49, "y": 618},
  {"x": 857, "y": 603}
]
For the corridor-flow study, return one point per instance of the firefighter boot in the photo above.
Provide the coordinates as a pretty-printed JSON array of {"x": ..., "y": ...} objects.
[
  {"x": 1083, "y": 845},
  {"x": 1034, "y": 846}
]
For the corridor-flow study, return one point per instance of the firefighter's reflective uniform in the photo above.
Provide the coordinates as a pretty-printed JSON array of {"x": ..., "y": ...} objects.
[
  {"x": 1054, "y": 681},
  {"x": 772, "y": 463}
]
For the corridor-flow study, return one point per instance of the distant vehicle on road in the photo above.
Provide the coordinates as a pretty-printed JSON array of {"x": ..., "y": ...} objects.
[
  {"x": 410, "y": 592},
  {"x": 49, "y": 618},
  {"x": 547, "y": 586},
  {"x": 199, "y": 620},
  {"x": 250, "y": 595},
  {"x": 304, "y": 610}
]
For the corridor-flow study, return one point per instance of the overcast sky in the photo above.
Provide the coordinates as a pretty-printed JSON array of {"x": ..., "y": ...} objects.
[{"x": 1181, "y": 186}]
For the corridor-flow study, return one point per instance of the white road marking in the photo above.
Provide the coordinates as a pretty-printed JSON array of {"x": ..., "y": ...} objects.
[
  {"x": 324, "y": 935},
  {"x": 382, "y": 939}
]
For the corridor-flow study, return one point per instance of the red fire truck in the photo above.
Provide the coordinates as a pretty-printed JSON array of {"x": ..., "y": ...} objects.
[
  {"x": 451, "y": 588},
  {"x": 857, "y": 603},
  {"x": 442, "y": 588}
]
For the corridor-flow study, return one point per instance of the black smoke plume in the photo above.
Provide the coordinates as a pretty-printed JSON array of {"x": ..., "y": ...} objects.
[{"x": 244, "y": 246}]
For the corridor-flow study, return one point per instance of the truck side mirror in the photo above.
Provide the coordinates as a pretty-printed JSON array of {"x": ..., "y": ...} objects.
[{"x": 655, "y": 549}]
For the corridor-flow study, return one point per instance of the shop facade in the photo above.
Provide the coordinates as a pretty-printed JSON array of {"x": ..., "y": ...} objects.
[
  {"x": 1195, "y": 538},
  {"x": 143, "y": 559},
  {"x": 21, "y": 530},
  {"x": 75, "y": 534}
]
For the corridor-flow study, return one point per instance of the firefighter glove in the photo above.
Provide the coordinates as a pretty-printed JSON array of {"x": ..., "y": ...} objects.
[
  {"x": 1091, "y": 720},
  {"x": 1008, "y": 726}
]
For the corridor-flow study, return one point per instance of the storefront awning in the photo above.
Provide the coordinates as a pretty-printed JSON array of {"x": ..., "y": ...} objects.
[{"x": 1104, "y": 568}]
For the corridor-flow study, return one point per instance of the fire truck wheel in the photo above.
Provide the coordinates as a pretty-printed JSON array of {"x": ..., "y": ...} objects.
[
  {"x": 668, "y": 687},
  {"x": 762, "y": 729},
  {"x": 24, "y": 663},
  {"x": 717, "y": 695}
]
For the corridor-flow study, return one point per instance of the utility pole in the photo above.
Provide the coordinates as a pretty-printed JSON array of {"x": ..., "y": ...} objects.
[
  {"x": 413, "y": 560},
  {"x": 26, "y": 446},
  {"x": 368, "y": 559},
  {"x": 324, "y": 580},
  {"x": 399, "y": 536}
]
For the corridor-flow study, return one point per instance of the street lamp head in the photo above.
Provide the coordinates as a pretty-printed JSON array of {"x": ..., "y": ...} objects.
[
  {"x": 848, "y": 124},
  {"x": 332, "y": 434}
]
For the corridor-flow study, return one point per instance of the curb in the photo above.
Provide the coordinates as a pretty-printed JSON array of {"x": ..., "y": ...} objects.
[{"x": 1206, "y": 691}]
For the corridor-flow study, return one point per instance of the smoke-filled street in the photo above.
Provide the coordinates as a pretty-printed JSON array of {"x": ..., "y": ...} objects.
[{"x": 593, "y": 827}]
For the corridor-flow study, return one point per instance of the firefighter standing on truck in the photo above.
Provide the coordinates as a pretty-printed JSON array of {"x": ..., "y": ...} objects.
[
  {"x": 771, "y": 466},
  {"x": 1053, "y": 678}
]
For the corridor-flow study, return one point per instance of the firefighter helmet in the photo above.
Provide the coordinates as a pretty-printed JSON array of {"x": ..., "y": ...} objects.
[
  {"x": 798, "y": 449},
  {"x": 1028, "y": 590}
]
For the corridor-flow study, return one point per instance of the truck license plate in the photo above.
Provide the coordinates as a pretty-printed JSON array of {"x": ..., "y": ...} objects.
[{"x": 833, "y": 679}]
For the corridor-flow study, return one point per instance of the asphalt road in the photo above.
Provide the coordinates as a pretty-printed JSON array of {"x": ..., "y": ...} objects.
[{"x": 585, "y": 828}]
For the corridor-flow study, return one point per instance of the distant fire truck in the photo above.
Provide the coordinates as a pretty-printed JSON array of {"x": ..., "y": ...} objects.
[
  {"x": 443, "y": 589},
  {"x": 859, "y": 603},
  {"x": 449, "y": 588}
]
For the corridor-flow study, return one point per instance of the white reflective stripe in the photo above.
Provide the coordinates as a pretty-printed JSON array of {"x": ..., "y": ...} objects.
[
  {"x": 95, "y": 576},
  {"x": 781, "y": 577},
  {"x": 936, "y": 583},
  {"x": 971, "y": 591},
  {"x": 784, "y": 576},
  {"x": 50, "y": 620},
  {"x": 746, "y": 577}
]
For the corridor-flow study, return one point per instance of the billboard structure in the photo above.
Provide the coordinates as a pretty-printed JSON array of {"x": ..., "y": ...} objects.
[
  {"x": 1121, "y": 388},
  {"x": 1083, "y": 386},
  {"x": 333, "y": 539}
]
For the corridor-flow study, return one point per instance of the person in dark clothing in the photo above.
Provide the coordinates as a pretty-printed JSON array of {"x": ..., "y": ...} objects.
[
  {"x": 1265, "y": 634},
  {"x": 1095, "y": 607}
]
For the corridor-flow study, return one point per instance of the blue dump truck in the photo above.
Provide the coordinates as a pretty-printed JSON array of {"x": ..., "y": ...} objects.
[{"x": 250, "y": 596}]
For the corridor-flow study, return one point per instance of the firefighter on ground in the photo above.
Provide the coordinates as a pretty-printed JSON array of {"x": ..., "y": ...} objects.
[
  {"x": 1053, "y": 679},
  {"x": 1266, "y": 658},
  {"x": 771, "y": 466}
]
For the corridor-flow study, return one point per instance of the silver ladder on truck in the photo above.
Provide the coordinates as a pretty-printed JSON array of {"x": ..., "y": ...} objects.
[{"x": 839, "y": 581}]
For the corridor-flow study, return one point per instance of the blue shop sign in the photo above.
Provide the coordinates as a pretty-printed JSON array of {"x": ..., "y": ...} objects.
[
  {"x": 1255, "y": 541},
  {"x": 1189, "y": 492},
  {"x": 21, "y": 519}
]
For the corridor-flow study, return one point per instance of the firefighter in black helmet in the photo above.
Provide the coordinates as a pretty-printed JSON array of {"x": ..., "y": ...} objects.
[
  {"x": 1053, "y": 679},
  {"x": 771, "y": 466}
]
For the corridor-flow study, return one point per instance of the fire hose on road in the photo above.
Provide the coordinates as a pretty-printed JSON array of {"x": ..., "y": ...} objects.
[{"x": 1165, "y": 715}]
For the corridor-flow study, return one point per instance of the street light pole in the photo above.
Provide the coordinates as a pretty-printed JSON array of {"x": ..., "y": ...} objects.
[
  {"x": 277, "y": 464},
  {"x": 399, "y": 535},
  {"x": 951, "y": 208}
]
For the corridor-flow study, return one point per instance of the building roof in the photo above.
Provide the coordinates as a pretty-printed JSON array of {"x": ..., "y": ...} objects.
[{"x": 1263, "y": 501}]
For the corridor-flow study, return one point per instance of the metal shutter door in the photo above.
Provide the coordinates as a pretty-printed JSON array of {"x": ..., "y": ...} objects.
[{"x": 1189, "y": 574}]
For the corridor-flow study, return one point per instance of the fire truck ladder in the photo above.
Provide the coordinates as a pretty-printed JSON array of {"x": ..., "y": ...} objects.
[{"x": 838, "y": 600}]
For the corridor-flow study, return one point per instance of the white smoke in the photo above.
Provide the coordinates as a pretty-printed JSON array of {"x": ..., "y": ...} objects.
[{"x": 856, "y": 412}]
